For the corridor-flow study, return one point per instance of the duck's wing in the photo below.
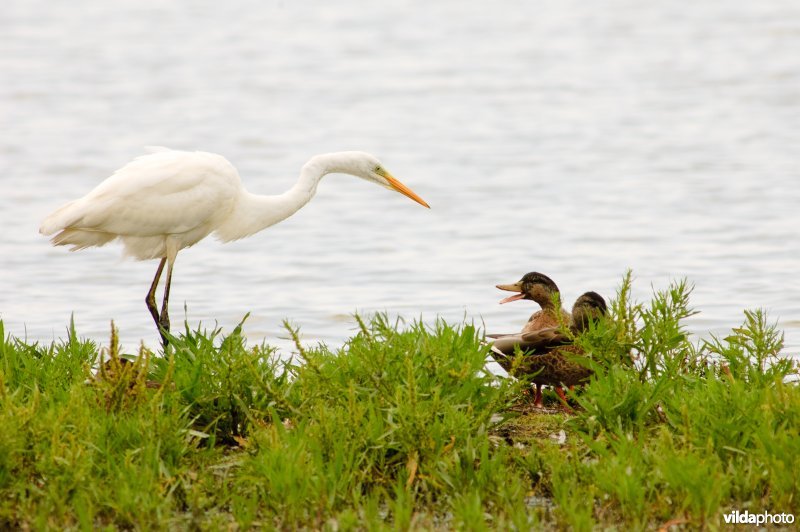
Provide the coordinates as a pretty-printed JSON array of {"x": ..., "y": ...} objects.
[
  {"x": 545, "y": 339},
  {"x": 502, "y": 349},
  {"x": 533, "y": 343},
  {"x": 505, "y": 344},
  {"x": 500, "y": 335}
]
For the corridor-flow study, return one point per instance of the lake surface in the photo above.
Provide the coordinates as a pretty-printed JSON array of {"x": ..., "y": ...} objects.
[{"x": 574, "y": 138}]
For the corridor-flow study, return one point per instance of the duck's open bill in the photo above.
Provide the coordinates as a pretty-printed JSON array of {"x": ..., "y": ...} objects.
[{"x": 516, "y": 287}]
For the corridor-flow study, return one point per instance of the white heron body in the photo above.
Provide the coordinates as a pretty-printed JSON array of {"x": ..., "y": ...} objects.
[{"x": 168, "y": 200}]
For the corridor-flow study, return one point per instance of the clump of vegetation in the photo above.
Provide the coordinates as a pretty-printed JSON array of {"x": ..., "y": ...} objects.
[
  {"x": 689, "y": 431},
  {"x": 402, "y": 427}
]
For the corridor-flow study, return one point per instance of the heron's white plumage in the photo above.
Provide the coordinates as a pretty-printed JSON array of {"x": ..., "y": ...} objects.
[
  {"x": 165, "y": 195},
  {"x": 168, "y": 200}
]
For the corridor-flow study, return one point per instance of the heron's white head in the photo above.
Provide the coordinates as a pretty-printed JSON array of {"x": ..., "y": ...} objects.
[{"x": 367, "y": 167}]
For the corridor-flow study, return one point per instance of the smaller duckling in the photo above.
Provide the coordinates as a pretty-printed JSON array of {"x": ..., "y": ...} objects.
[
  {"x": 543, "y": 290},
  {"x": 549, "y": 353}
]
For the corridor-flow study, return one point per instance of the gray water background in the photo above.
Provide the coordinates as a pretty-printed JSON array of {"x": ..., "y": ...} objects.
[{"x": 575, "y": 138}]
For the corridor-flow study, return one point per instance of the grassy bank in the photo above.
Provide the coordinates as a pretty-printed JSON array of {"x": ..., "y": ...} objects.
[{"x": 403, "y": 427}]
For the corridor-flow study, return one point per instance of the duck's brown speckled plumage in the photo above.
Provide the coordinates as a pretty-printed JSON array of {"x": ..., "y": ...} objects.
[
  {"x": 549, "y": 355},
  {"x": 554, "y": 368}
]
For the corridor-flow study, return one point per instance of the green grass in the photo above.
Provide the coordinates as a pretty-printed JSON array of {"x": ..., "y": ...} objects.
[{"x": 402, "y": 427}]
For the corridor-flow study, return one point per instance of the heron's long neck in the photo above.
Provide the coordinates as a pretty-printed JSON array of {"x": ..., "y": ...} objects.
[{"x": 254, "y": 212}]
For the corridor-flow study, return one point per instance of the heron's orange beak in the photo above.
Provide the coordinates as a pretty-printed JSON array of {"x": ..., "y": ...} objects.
[
  {"x": 516, "y": 287},
  {"x": 404, "y": 190}
]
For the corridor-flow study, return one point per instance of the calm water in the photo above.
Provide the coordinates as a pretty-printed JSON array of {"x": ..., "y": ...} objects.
[{"x": 574, "y": 138}]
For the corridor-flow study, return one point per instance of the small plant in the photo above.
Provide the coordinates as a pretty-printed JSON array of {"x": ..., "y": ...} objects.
[
  {"x": 227, "y": 385},
  {"x": 121, "y": 381},
  {"x": 752, "y": 351}
]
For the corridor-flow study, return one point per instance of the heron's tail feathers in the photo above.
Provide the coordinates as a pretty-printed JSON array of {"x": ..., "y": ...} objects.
[
  {"x": 61, "y": 223},
  {"x": 81, "y": 238},
  {"x": 59, "y": 219}
]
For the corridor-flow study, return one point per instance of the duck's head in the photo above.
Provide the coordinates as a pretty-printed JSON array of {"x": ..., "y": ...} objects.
[
  {"x": 534, "y": 286},
  {"x": 588, "y": 307}
]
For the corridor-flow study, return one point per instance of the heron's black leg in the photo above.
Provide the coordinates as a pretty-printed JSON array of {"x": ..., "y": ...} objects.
[
  {"x": 150, "y": 300},
  {"x": 163, "y": 320}
]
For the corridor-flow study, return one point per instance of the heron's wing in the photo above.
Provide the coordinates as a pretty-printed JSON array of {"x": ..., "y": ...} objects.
[{"x": 167, "y": 192}]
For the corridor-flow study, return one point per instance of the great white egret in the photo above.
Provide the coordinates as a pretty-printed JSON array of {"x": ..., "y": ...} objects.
[{"x": 168, "y": 200}]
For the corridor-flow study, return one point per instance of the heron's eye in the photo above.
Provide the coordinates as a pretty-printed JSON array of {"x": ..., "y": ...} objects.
[{"x": 378, "y": 170}]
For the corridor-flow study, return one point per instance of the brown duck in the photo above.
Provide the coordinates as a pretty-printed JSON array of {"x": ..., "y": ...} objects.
[
  {"x": 540, "y": 288},
  {"x": 549, "y": 354}
]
